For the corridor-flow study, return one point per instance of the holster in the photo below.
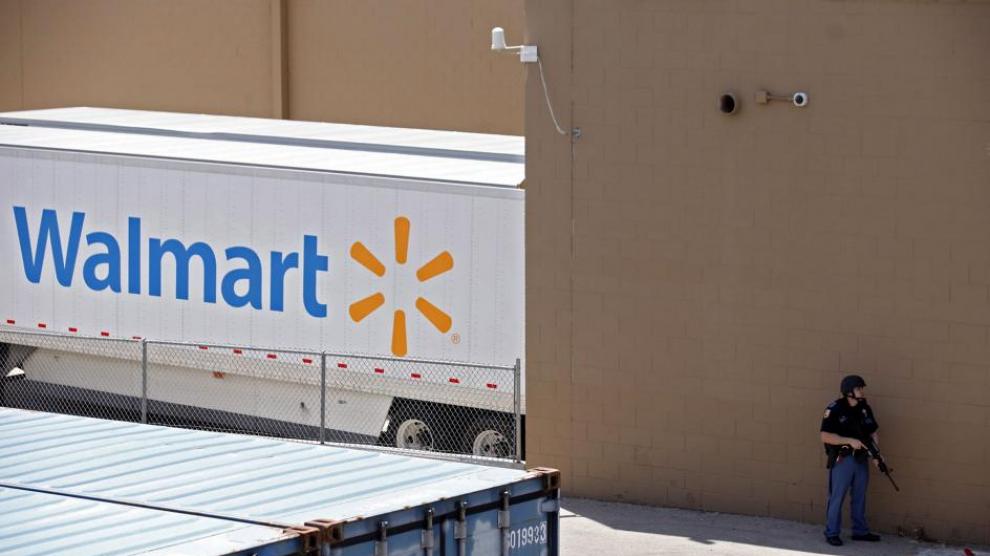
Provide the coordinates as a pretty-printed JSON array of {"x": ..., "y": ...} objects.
[{"x": 833, "y": 454}]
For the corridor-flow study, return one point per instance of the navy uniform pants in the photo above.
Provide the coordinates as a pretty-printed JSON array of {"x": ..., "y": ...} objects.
[{"x": 847, "y": 475}]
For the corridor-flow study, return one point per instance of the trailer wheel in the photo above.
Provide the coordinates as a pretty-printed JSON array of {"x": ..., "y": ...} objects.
[
  {"x": 415, "y": 434},
  {"x": 489, "y": 437},
  {"x": 414, "y": 425}
]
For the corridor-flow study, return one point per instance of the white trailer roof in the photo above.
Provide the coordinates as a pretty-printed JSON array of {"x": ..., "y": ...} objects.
[{"x": 419, "y": 154}]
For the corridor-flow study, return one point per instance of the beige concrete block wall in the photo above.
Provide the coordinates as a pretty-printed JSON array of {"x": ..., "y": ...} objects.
[
  {"x": 415, "y": 64},
  {"x": 409, "y": 64},
  {"x": 698, "y": 284},
  {"x": 10, "y": 54},
  {"x": 179, "y": 55}
]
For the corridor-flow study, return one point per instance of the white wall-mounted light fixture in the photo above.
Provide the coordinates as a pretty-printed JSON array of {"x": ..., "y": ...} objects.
[{"x": 527, "y": 53}]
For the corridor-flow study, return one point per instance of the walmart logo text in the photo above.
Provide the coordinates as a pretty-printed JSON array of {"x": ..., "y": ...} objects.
[{"x": 104, "y": 268}]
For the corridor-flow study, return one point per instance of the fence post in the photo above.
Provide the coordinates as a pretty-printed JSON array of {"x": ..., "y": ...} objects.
[
  {"x": 517, "y": 406},
  {"x": 323, "y": 397},
  {"x": 144, "y": 380}
]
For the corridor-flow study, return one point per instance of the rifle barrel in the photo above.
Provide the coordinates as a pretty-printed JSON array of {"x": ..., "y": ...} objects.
[{"x": 875, "y": 452}]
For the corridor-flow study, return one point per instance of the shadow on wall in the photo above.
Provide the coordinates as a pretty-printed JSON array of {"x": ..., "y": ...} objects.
[{"x": 652, "y": 530}]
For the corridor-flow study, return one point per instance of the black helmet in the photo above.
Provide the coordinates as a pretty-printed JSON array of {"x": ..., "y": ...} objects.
[{"x": 851, "y": 382}]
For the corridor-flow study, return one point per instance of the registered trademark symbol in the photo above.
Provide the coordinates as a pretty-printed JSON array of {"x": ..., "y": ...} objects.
[{"x": 455, "y": 338}]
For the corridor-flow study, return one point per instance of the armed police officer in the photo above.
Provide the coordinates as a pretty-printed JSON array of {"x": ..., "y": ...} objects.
[{"x": 847, "y": 425}]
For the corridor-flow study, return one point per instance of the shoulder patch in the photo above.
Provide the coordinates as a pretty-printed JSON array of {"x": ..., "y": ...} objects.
[{"x": 827, "y": 412}]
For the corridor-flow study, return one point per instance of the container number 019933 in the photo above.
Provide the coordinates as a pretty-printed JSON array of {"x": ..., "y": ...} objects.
[{"x": 525, "y": 536}]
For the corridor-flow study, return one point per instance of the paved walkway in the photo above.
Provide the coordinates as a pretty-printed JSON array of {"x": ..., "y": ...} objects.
[{"x": 589, "y": 527}]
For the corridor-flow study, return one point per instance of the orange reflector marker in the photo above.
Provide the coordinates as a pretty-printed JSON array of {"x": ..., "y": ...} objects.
[
  {"x": 73, "y": 329},
  {"x": 455, "y": 381},
  {"x": 307, "y": 361},
  {"x": 272, "y": 356},
  {"x": 342, "y": 365},
  {"x": 42, "y": 325},
  {"x": 238, "y": 352},
  {"x": 416, "y": 375},
  {"x": 105, "y": 334},
  {"x": 380, "y": 371},
  {"x": 10, "y": 321}
]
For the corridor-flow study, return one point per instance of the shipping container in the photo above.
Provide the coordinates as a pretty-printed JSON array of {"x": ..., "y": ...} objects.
[
  {"x": 400, "y": 243},
  {"x": 76, "y": 485},
  {"x": 36, "y": 523}
]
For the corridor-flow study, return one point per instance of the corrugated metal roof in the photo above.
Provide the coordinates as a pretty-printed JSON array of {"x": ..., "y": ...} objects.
[
  {"x": 237, "y": 477},
  {"x": 420, "y": 154},
  {"x": 40, "y": 524}
]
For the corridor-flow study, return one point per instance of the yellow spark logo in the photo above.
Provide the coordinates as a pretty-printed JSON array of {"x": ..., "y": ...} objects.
[{"x": 435, "y": 267}]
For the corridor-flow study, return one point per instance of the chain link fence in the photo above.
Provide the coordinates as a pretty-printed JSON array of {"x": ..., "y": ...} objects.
[
  {"x": 93, "y": 377},
  {"x": 463, "y": 411}
]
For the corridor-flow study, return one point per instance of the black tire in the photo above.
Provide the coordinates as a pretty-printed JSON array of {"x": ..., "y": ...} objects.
[
  {"x": 489, "y": 436},
  {"x": 412, "y": 425}
]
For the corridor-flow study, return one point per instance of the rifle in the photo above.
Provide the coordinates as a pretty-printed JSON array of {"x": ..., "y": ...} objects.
[{"x": 871, "y": 446}]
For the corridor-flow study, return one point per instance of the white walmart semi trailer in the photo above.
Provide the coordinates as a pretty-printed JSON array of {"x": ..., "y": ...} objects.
[{"x": 402, "y": 245}]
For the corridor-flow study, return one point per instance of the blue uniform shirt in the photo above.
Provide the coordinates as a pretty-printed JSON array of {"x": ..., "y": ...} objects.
[{"x": 851, "y": 422}]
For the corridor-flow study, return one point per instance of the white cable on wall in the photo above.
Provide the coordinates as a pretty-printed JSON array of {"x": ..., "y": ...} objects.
[
  {"x": 528, "y": 54},
  {"x": 546, "y": 95}
]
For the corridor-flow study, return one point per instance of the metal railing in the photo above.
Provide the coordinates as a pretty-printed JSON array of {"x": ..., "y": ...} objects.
[{"x": 455, "y": 410}]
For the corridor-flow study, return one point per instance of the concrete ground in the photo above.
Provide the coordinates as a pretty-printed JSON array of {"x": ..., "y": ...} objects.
[{"x": 590, "y": 527}]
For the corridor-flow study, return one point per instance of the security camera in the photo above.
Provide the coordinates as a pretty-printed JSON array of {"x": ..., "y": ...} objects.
[{"x": 800, "y": 99}]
